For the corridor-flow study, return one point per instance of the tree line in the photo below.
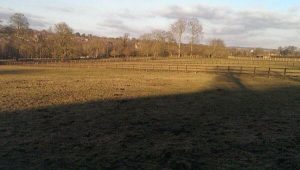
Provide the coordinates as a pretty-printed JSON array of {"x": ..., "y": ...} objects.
[{"x": 60, "y": 41}]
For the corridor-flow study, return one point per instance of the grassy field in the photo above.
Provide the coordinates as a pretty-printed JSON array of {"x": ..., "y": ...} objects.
[{"x": 80, "y": 118}]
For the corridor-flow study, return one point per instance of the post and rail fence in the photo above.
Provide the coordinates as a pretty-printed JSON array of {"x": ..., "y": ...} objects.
[{"x": 174, "y": 67}]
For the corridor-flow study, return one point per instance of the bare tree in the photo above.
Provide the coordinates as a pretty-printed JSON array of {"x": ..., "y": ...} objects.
[
  {"x": 156, "y": 43},
  {"x": 195, "y": 32},
  {"x": 63, "y": 39},
  {"x": 126, "y": 51},
  {"x": 177, "y": 29},
  {"x": 159, "y": 37},
  {"x": 63, "y": 29},
  {"x": 217, "y": 47},
  {"x": 288, "y": 51},
  {"x": 125, "y": 40},
  {"x": 145, "y": 44},
  {"x": 42, "y": 45},
  {"x": 19, "y": 22},
  {"x": 170, "y": 42},
  {"x": 1, "y": 26}
]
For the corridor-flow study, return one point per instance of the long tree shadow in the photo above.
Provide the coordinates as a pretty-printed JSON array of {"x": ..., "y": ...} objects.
[
  {"x": 233, "y": 78},
  {"x": 215, "y": 129}
]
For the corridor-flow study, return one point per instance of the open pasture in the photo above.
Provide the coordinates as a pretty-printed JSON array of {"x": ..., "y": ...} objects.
[{"x": 98, "y": 118}]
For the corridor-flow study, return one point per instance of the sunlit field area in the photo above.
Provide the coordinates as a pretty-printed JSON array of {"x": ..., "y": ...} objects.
[{"x": 107, "y": 118}]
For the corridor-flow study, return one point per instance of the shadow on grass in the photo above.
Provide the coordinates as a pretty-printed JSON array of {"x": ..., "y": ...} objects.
[
  {"x": 215, "y": 129},
  {"x": 17, "y": 71},
  {"x": 293, "y": 78}
]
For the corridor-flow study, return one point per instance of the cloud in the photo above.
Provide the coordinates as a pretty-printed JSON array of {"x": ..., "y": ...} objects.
[
  {"x": 117, "y": 27},
  {"x": 259, "y": 27},
  {"x": 249, "y": 19},
  {"x": 5, "y": 13},
  {"x": 230, "y": 24},
  {"x": 126, "y": 13},
  {"x": 199, "y": 11},
  {"x": 35, "y": 21},
  {"x": 61, "y": 9}
]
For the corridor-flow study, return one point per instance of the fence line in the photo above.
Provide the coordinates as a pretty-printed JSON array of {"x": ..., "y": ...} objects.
[
  {"x": 183, "y": 62},
  {"x": 286, "y": 59},
  {"x": 255, "y": 71},
  {"x": 130, "y": 59},
  {"x": 250, "y": 70}
]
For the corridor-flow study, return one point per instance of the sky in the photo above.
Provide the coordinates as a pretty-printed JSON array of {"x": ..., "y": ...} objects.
[{"x": 243, "y": 23}]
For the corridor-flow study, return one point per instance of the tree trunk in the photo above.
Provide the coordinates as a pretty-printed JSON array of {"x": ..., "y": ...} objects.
[
  {"x": 179, "y": 47},
  {"x": 179, "y": 50},
  {"x": 191, "y": 53}
]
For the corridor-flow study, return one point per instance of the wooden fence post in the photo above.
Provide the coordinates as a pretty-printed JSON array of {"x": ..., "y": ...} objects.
[
  {"x": 284, "y": 73},
  {"x": 269, "y": 72},
  {"x": 254, "y": 72},
  {"x": 228, "y": 69}
]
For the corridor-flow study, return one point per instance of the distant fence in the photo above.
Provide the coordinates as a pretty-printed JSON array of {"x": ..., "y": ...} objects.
[
  {"x": 250, "y": 70},
  {"x": 57, "y": 60},
  {"x": 255, "y": 71},
  {"x": 131, "y": 58},
  {"x": 266, "y": 58},
  {"x": 162, "y": 60}
]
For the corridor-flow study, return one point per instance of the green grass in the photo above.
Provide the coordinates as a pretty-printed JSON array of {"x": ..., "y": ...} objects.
[{"x": 78, "y": 118}]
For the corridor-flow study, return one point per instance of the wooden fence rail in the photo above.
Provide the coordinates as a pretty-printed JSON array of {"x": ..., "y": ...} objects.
[
  {"x": 210, "y": 61},
  {"x": 250, "y": 70}
]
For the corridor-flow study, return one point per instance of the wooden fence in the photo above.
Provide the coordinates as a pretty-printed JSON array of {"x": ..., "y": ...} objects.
[
  {"x": 195, "y": 68},
  {"x": 255, "y": 71},
  {"x": 291, "y": 59}
]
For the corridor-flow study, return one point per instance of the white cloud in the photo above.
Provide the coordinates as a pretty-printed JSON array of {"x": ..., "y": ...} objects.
[
  {"x": 241, "y": 27},
  {"x": 34, "y": 20}
]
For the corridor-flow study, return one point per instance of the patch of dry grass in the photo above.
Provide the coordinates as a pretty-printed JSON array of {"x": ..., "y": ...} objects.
[{"x": 25, "y": 88}]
